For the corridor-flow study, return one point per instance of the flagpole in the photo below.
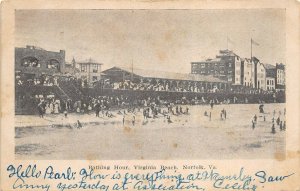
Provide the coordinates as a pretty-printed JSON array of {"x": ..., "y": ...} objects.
[
  {"x": 227, "y": 43},
  {"x": 251, "y": 50}
]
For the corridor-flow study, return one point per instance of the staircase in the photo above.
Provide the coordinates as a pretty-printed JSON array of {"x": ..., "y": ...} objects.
[
  {"x": 61, "y": 94},
  {"x": 70, "y": 91}
]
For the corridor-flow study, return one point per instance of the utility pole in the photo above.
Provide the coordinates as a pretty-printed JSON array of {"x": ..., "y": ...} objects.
[{"x": 131, "y": 70}]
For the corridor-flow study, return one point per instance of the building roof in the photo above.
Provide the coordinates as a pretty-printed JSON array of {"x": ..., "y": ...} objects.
[
  {"x": 88, "y": 61},
  {"x": 269, "y": 66},
  {"x": 270, "y": 70},
  {"x": 226, "y": 53},
  {"x": 280, "y": 66},
  {"x": 35, "y": 48},
  {"x": 248, "y": 60},
  {"x": 209, "y": 60},
  {"x": 222, "y": 53},
  {"x": 166, "y": 75}
]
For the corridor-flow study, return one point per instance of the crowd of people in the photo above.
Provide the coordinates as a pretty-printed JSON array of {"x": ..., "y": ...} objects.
[
  {"x": 44, "y": 80},
  {"x": 278, "y": 119},
  {"x": 110, "y": 106},
  {"x": 181, "y": 87},
  {"x": 50, "y": 102},
  {"x": 148, "y": 86}
]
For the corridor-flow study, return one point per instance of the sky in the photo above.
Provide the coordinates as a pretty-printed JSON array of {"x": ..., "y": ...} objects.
[{"x": 166, "y": 40}]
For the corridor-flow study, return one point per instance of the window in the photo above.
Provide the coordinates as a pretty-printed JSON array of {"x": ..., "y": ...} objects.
[
  {"x": 95, "y": 78},
  {"x": 229, "y": 65},
  {"x": 53, "y": 64},
  {"x": 83, "y": 68},
  {"x": 202, "y": 65},
  {"x": 95, "y": 68},
  {"x": 267, "y": 82},
  {"x": 30, "y": 62}
]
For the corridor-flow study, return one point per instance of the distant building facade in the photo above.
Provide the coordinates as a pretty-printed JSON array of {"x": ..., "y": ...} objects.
[
  {"x": 226, "y": 66},
  {"x": 71, "y": 70},
  {"x": 280, "y": 77},
  {"x": 270, "y": 76},
  {"x": 261, "y": 76},
  {"x": 247, "y": 73},
  {"x": 242, "y": 71},
  {"x": 35, "y": 61},
  {"x": 164, "y": 81},
  {"x": 89, "y": 70}
]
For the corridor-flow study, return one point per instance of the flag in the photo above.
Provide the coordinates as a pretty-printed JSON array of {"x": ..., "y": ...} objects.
[{"x": 253, "y": 42}]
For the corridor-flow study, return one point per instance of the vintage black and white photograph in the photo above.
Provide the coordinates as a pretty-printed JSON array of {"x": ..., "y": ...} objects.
[{"x": 150, "y": 84}]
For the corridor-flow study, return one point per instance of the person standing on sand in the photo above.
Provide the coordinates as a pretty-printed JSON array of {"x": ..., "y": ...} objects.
[
  {"x": 144, "y": 114},
  {"x": 97, "y": 109},
  {"x": 41, "y": 110},
  {"x": 79, "y": 125},
  {"x": 180, "y": 109},
  {"x": 123, "y": 120},
  {"x": 169, "y": 119},
  {"x": 66, "y": 113},
  {"x": 133, "y": 120},
  {"x": 253, "y": 124},
  {"x": 186, "y": 110},
  {"x": 278, "y": 120},
  {"x": 273, "y": 128},
  {"x": 255, "y": 118}
]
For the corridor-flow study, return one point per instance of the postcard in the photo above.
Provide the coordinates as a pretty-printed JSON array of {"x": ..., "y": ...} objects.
[{"x": 149, "y": 95}]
